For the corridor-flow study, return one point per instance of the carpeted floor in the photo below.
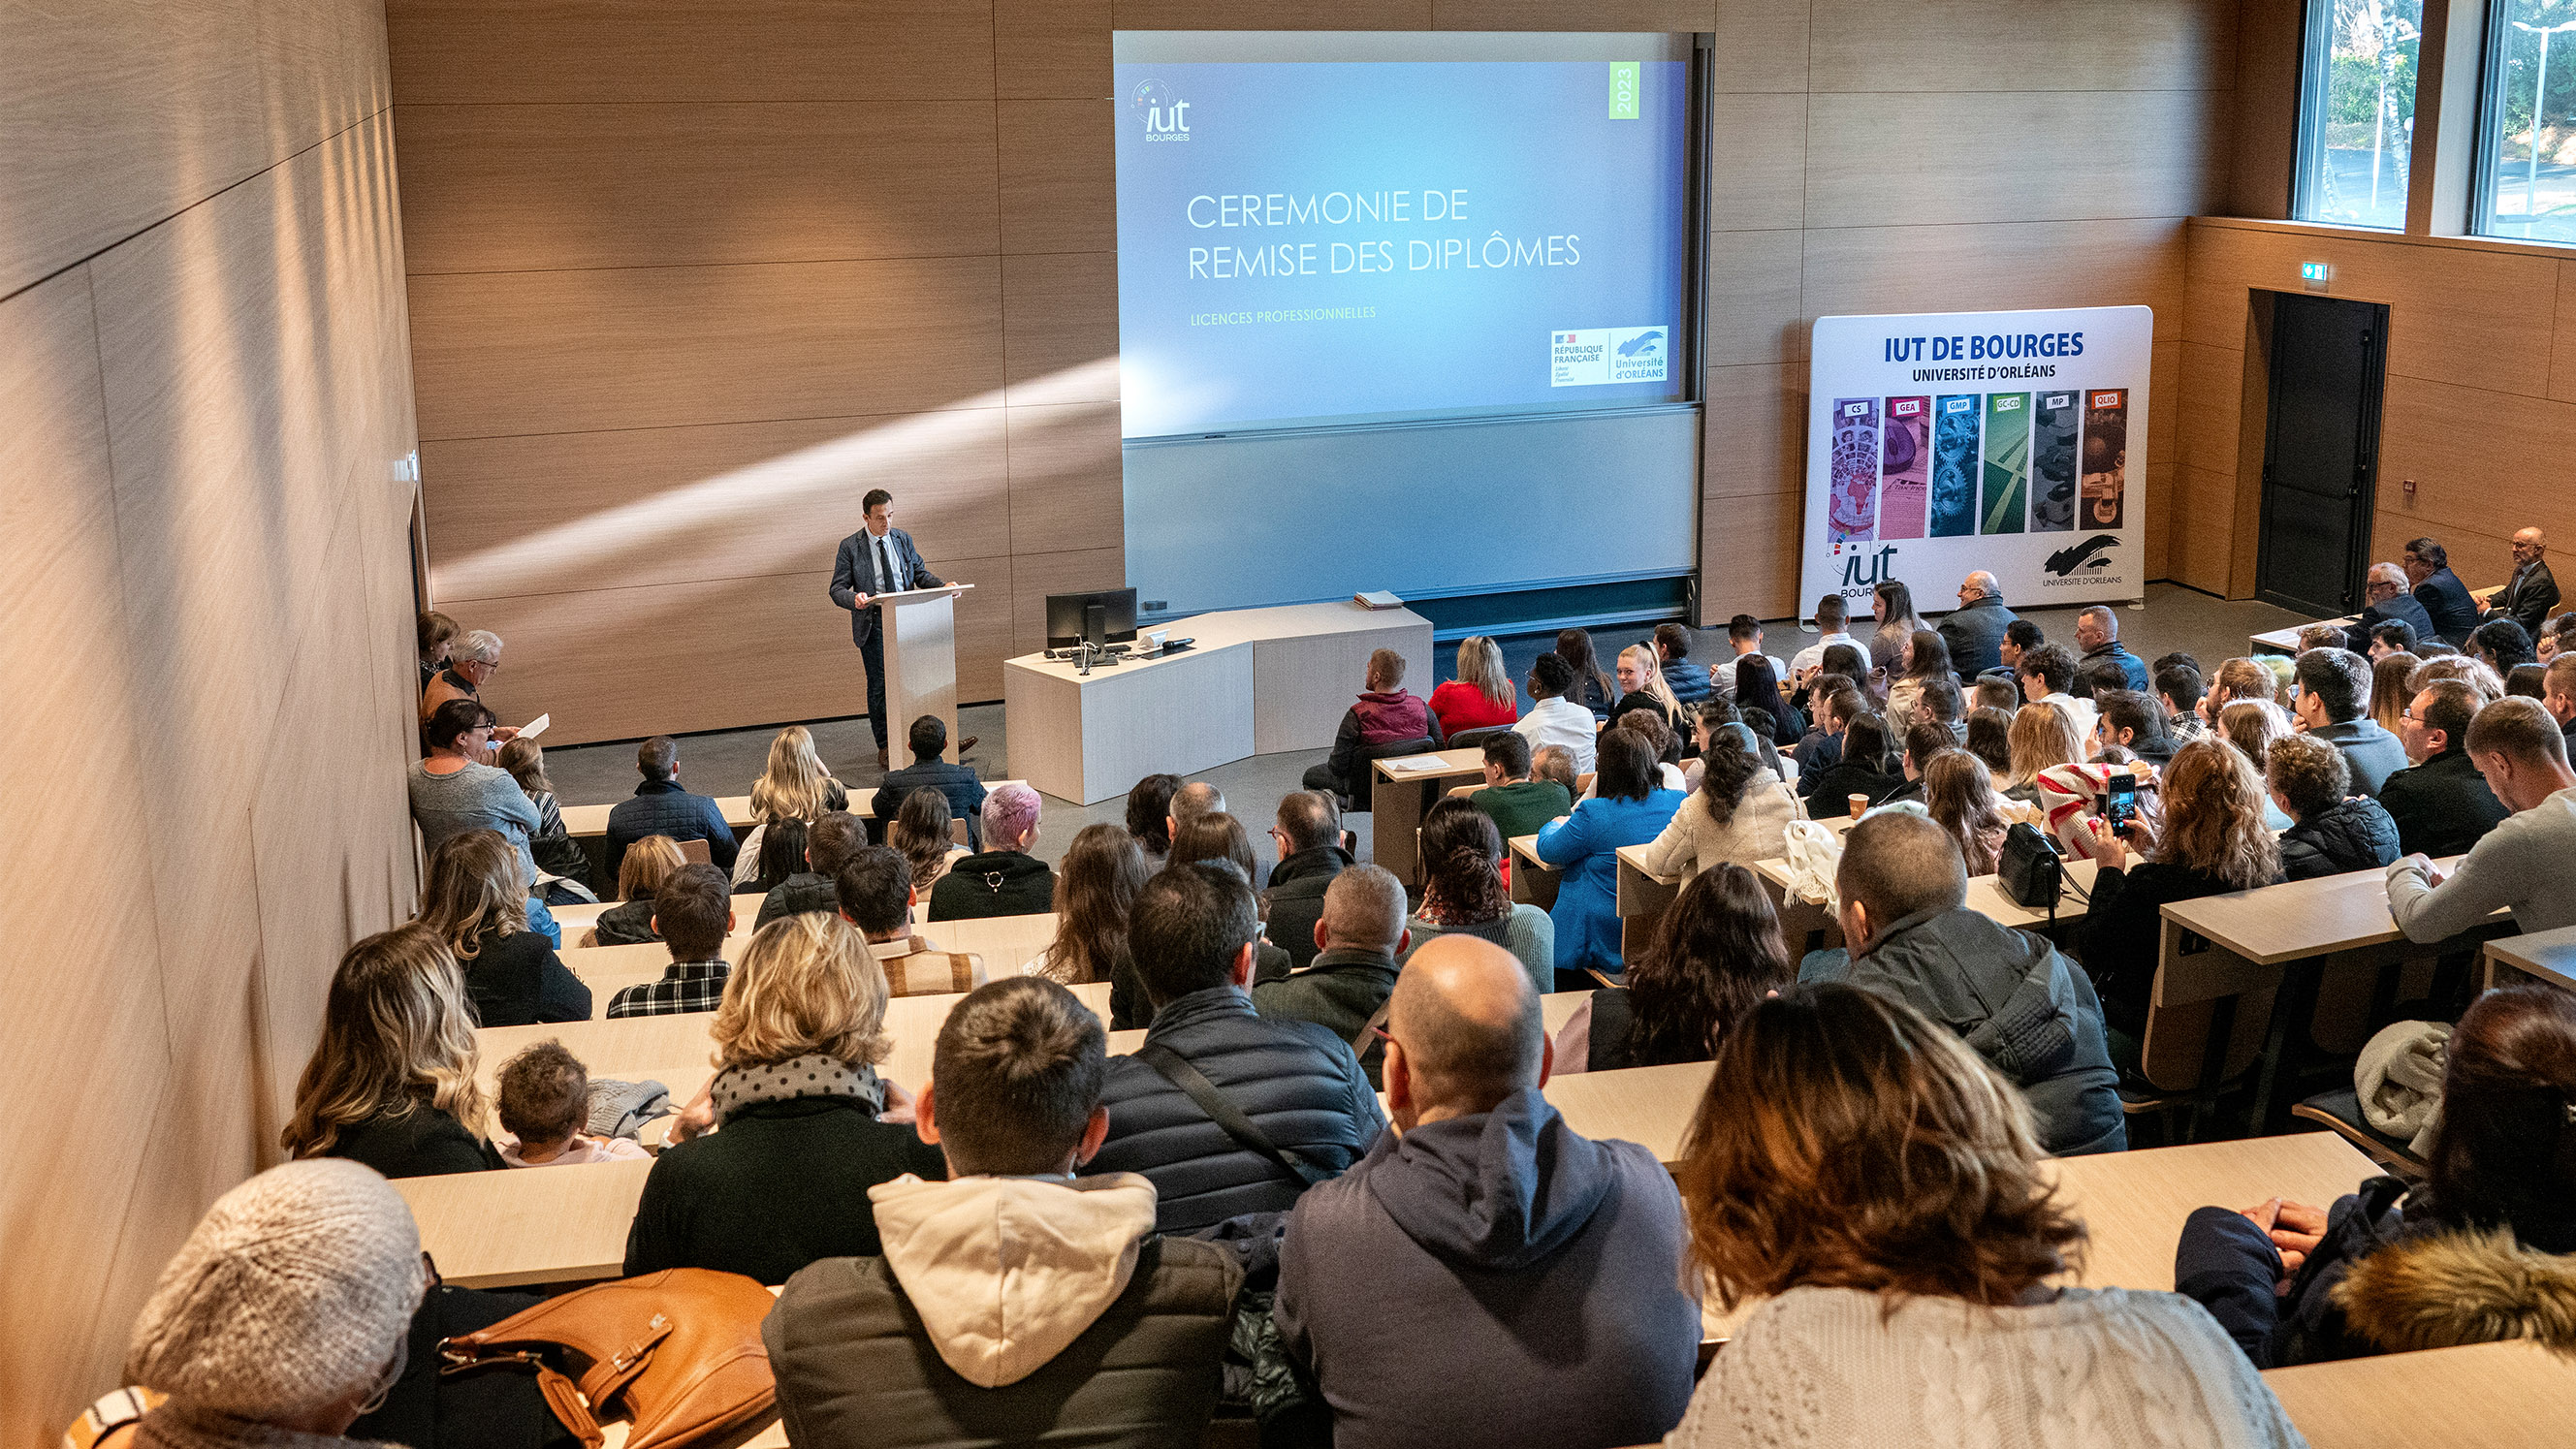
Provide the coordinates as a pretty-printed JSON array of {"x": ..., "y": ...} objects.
[{"x": 726, "y": 762}]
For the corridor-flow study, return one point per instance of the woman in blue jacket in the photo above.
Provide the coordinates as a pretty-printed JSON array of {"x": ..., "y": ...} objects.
[{"x": 1626, "y": 808}]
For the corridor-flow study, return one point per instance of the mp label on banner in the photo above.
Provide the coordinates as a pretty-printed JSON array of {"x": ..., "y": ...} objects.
[
  {"x": 1608, "y": 354},
  {"x": 1940, "y": 444}
]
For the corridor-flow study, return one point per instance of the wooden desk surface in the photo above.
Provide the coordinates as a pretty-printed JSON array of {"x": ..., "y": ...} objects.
[
  {"x": 1633, "y": 857},
  {"x": 2486, "y": 1396},
  {"x": 1453, "y": 763},
  {"x": 530, "y": 1225},
  {"x": 2296, "y": 919},
  {"x": 581, "y": 820},
  {"x": 2135, "y": 1202},
  {"x": 577, "y": 919},
  {"x": 2547, "y": 956},
  {"x": 1986, "y": 894}
]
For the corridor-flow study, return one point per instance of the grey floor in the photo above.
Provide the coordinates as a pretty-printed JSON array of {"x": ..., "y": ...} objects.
[{"x": 726, "y": 762}]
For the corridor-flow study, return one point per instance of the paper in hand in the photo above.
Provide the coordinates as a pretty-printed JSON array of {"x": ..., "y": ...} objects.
[{"x": 535, "y": 727}]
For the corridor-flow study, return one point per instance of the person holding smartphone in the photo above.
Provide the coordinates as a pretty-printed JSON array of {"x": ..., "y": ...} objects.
[{"x": 2210, "y": 839}]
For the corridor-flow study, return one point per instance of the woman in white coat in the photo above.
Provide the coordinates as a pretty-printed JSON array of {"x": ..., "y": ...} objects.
[{"x": 1739, "y": 814}]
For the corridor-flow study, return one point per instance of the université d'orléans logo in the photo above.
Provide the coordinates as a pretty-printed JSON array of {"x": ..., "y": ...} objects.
[{"x": 1165, "y": 115}]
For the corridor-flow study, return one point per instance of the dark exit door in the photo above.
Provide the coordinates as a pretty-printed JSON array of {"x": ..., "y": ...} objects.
[{"x": 2321, "y": 453}]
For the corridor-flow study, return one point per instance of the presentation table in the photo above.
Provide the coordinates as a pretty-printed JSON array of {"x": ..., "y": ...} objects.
[
  {"x": 1256, "y": 682},
  {"x": 1400, "y": 792}
]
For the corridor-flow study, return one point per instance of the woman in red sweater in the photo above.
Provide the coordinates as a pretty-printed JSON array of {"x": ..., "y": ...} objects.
[{"x": 1481, "y": 695}]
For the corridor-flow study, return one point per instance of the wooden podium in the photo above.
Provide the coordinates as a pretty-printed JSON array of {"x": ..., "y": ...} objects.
[{"x": 920, "y": 628}]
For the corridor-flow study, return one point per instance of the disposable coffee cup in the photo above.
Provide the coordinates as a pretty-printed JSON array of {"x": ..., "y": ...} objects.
[{"x": 1859, "y": 804}]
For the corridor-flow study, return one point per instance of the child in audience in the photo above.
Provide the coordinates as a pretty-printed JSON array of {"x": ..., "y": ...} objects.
[
  {"x": 1717, "y": 953},
  {"x": 2464, "y": 1258},
  {"x": 1482, "y": 695},
  {"x": 1858, "y": 1170},
  {"x": 544, "y": 1104},
  {"x": 648, "y": 863}
]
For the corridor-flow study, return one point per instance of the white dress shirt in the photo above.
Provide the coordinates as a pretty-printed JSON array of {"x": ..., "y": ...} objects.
[{"x": 1560, "y": 721}]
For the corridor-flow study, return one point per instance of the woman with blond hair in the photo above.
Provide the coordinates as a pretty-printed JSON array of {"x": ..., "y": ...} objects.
[
  {"x": 1961, "y": 799},
  {"x": 648, "y": 863},
  {"x": 2389, "y": 695},
  {"x": 1642, "y": 686},
  {"x": 391, "y": 1082},
  {"x": 798, "y": 1103},
  {"x": 2039, "y": 740},
  {"x": 794, "y": 785},
  {"x": 476, "y": 902},
  {"x": 1482, "y": 695},
  {"x": 1861, "y": 1173},
  {"x": 2210, "y": 841},
  {"x": 2252, "y": 725},
  {"x": 2237, "y": 679}
]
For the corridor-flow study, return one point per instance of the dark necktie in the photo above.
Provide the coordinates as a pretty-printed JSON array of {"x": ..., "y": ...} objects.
[{"x": 885, "y": 569}]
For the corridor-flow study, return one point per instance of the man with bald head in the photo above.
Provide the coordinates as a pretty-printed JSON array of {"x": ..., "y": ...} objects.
[
  {"x": 1485, "y": 1276},
  {"x": 1353, "y": 939},
  {"x": 2097, "y": 633},
  {"x": 2030, "y": 1012},
  {"x": 1975, "y": 630},
  {"x": 2531, "y": 595}
]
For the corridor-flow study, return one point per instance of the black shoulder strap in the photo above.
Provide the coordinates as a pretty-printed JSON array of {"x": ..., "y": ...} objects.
[{"x": 1225, "y": 1114}]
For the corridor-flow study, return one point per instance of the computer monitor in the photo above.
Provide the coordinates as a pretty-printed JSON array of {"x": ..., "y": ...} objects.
[{"x": 1067, "y": 616}]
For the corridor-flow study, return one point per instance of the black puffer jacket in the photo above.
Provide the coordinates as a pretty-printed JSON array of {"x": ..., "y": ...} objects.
[
  {"x": 995, "y": 883},
  {"x": 1297, "y": 1081},
  {"x": 2355, "y": 834}
]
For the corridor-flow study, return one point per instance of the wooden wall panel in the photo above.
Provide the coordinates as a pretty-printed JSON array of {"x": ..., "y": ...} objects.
[
  {"x": 2270, "y": 37},
  {"x": 486, "y": 51},
  {"x": 1757, "y": 419},
  {"x": 1272, "y": 15},
  {"x": 549, "y": 352},
  {"x": 2024, "y": 45},
  {"x": 1758, "y": 172},
  {"x": 1668, "y": 15},
  {"x": 2562, "y": 338},
  {"x": 1748, "y": 550},
  {"x": 1755, "y": 288},
  {"x": 2070, "y": 155},
  {"x": 1996, "y": 265},
  {"x": 1065, "y": 478},
  {"x": 1060, "y": 327},
  {"x": 1051, "y": 49},
  {"x": 1059, "y": 176},
  {"x": 1759, "y": 45},
  {"x": 564, "y": 512},
  {"x": 510, "y": 188}
]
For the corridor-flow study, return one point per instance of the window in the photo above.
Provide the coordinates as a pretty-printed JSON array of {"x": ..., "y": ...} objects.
[
  {"x": 2357, "y": 110},
  {"x": 2527, "y": 118}
]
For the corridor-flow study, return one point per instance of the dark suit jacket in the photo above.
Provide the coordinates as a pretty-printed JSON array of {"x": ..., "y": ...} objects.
[
  {"x": 1975, "y": 634},
  {"x": 855, "y": 572},
  {"x": 965, "y": 794},
  {"x": 2529, "y": 599},
  {"x": 2398, "y": 608},
  {"x": 2446, "y": 599}
]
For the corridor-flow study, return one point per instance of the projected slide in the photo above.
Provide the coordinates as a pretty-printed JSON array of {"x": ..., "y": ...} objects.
[{"x": 1306, "y": 241}]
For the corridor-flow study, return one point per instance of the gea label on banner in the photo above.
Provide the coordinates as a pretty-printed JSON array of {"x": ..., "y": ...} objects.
[{"x": 2014, "y": 442}]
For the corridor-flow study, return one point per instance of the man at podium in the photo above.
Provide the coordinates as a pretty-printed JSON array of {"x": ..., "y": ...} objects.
[{"x": 878, "y": 559}]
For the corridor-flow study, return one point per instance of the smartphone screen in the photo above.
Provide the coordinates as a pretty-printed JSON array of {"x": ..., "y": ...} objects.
[{"x": 2120, "y": 801}]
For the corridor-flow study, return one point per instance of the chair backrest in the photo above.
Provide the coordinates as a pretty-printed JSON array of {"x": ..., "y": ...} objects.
[
  {"x": 1396, "y": 749},
  {"x": 2174, "y": 1055},
  {"x": 1474, "y": 739},
  {"x": 695, "y": 852}
]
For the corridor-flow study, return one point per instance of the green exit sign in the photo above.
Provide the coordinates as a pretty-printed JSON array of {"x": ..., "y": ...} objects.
[{"x": 2313, "y": 271}]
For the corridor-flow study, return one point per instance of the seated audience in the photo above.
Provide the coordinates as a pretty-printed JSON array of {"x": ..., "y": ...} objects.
[
  {"x": 2047, "y": 673},
  {"x": 2471, "y": 1255},
  {"x": 2485, "y": 683},
  {"x": 2530, "y": 681},
  {"x": 1463, "y": 892},
  {"x": 2501, "y": 645},
  {"x": 648, "y": 863},
  {"x": 1591, "y": 686},
  {"x": 1191, "y": 801},
  {"x": 544, "y": 1105},
  {"x": 829, "y": 843},
  {"x": 391, "y": 1083},
  {"x": 2526, "y": 864},
  {"x": 1836, "y": 702},
  {"x": 2389, "y": 696},
  {"x": 1192, "y": 934},
  {"x": 1556, "y": 719},
  {"x": 1308, "y": 836},
  {"x": 1926, "y": 659},
  {"x": 956, "y": 781},
  {"x": 2321, "y": 636},
  {"x": 2020, "y": 637},
  {"x": 284, "y": 1318},
  {"x": 437, "y": 637},
  {"x": 1990, "y": 739},
  {"x": 1997, "y": 692},
  {"x": 472, "y": 660},
  {"x": 1518, "y": 804},
  {"x": 1014, "y": 1303},
  {"x": 1626, "y": 808},
  {"x": 1714, "y": 714},
  {"x": 2334, "y": 693},
  {"x": 1686, "y": 682},
  {"x": 1891, "y": 603},
  {"x": 1862, "y": 770},
  {"x": 452, "y": 793},
  {"x": 1357, "y": 939},
  {"x": 2132, "y": 721},
  {"x": 1879, "y": 1192},
  {"x": 2097, "y": 633},
  {"x": 2239, "y": 679},
  {"x": 1482, "y": 695},
  {"x": 1717, "y": 952},
  {"x": 2439, "y": 802},
  {"x": 1923, "y": 743},
  {"x": 1974, "y": 632},
  {"x": 1743, "y": 636},
  {"x": 923, "y": 831},
  {"x": 796, "y": 1102},
  {"x": 1832, "y": 614},
  {"x": 1939, "y": 702},
  {"x": 1554, "y": 765},
  {"x": 2446, "y": 600},
  {"x": 780, "y": 855},
  {"x": 661, "y": 805},
  {"x": 476, "y": 901},
  {"x": 1095, "y": 888},
  {"x": 692, "y": 915},
  {"x": 2392, "y": 637},
  {"x": 1661, "y": 743},
  {"x": 793, "y": 785},
  {"x": 2178, "y": 691},
  {"x": 561, "y": 862},
  {"x": 1002, "y": 879},
  {"x": 2041, "y": 739},
  {"x": 1149, "y": 816},
  {"x": 1385, "y": 716},
  {"x": 2031, "y": 1013},
  {"x": 1757, "y": 691},
  {"x": 1740, "y": 812},
  {"x": 1219, "y": 836},
  {"x": 1960, "y": 797},
  {"x": 1529, "y": 1277},
  {"x": 2331, "y": 834},
  {"x": 876, "y": 894},
  {"x": 2253, "y": 726},
  {"x": 2558, "y": 692},
  {"x": 2387, "y": 601},
  {"x": 2210, "y": 841},
  {"x": 1642, "y": 687}
]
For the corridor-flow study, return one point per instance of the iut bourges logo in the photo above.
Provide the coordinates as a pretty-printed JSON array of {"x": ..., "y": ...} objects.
[{"x": 1167, "y": 117}]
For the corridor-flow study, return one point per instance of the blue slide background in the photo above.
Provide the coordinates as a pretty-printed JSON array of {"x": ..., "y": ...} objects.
[{"x": 1530, "y": 142}]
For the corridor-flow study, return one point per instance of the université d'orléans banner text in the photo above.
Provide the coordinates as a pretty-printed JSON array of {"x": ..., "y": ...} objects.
[
  {"x": 1305, "y": 242},
  {"x": 1943, "y": 443}
]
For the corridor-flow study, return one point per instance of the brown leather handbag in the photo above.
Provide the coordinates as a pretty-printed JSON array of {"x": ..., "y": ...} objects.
[{"x": 676, "y": 1353}]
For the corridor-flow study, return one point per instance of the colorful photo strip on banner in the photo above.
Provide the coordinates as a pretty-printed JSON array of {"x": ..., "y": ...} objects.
[
  {"x": 1954, "y": 466},
  {"x": 1907, "y": 446},
  {"x": 1852, "y": 513},
  {"x": 2007, "y": 474},
  {"x": 2055, "y": 421},
  {"x": 2106, "y": 457}
]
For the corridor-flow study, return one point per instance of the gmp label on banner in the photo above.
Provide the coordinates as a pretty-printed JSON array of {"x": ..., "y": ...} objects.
[{"x": 1581, "y": 358}]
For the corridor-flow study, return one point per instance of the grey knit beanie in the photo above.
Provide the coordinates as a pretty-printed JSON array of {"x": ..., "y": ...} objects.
[{"x": 294, "y": 1290}]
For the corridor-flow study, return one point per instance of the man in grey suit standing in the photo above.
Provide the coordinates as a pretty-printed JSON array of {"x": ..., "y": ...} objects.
[{"x": 878, "y": 559}]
